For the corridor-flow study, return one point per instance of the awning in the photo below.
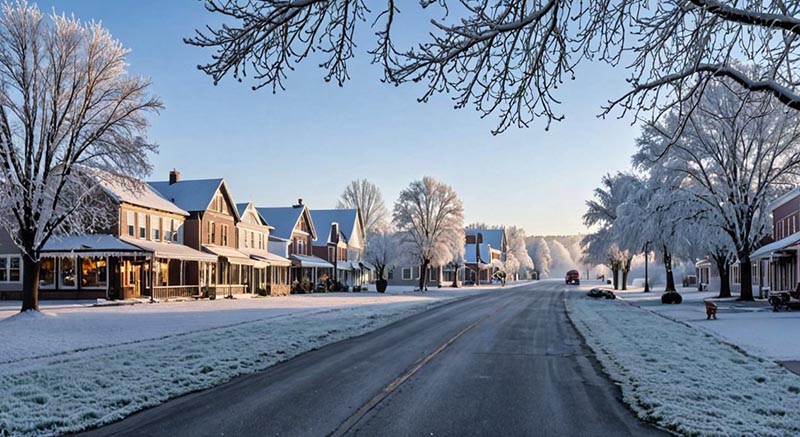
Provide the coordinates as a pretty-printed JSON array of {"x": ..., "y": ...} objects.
[
  {"x": 767, "y": 250},
  {"x": 310, "y": 261},
  {"x": 702, "y": 263},
  {"x": 271, "y": 259},
  {"x": 89, "y": 245},
  {"x": 233, "y": 256},
  {"x": 171, "y": 250},
  {"x": 344, "y": 265}
]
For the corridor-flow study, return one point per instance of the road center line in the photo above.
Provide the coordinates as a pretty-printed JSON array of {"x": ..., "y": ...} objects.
[{"x": 351, "y": 421}]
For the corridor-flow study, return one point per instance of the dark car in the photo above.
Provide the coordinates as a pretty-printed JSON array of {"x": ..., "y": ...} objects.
[
  {"x": 573, "y": 277},
  {"x": 601, "y": 292}
]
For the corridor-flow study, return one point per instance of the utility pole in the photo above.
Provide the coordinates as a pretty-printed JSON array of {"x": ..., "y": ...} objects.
[{"x": 646, "y": 262}]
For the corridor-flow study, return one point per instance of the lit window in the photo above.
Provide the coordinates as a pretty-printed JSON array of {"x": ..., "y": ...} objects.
[
  {"x": 67, "y": 273},
  {"x": 94, "y": 272}
]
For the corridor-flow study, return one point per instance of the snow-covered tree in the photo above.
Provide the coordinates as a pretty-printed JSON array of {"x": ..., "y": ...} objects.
[
  {"x": 737, "y": 152},
  {"x": 68, "y": 106},
  {"x": 382, "y": 250},
  {"x": 365, "y": 196},
  {"x": 430, "y": 218},
  {"x": 540, "y": 254},
  {"x": 560, "y": 259},
  {"x": 518, "y": 260},
  {"x": 508, "y": 58}
]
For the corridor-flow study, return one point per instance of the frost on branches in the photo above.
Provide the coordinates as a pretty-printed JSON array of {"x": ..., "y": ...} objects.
[
  {"x": 430, "y": 219},
  {"x": 509, "y": 58},
  {"x": 737, "y": 152},
  {"x": 68, "y": 106}
]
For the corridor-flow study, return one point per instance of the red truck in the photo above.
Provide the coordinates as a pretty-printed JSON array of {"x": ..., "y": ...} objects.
[{"x": 573, "y": 277}]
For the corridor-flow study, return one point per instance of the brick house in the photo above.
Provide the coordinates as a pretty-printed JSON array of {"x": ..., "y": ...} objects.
[
  {"x": 252, "y": 233},
  {"x": 342, "y": 241}
]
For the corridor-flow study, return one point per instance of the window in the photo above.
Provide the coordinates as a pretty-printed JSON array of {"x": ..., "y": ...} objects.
[
  {"x": 246, "y": 241},
  {"x": 94, "y": 272},
  {"x": 67, "y": 273},
  {"x": 301, "y": 247},
  {"x": 130, "y": 221},
  {"x": 253, "y": 239},
  {"x": 142, "y": 225},
  {"x": 224, "y": 234},
  {"x": 47, "y": 274},
  {"x": 10, "y": 268},
  {"x": 212, "y": 233},
  {"x": 406, "y": 273},
  {"x": 155, "y": 227},
  {"x": 173, "y": 230}
]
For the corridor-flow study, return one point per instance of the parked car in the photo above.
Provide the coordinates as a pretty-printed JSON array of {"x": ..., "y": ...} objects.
[
  {"x": 602, "y": 292},
  {"x": 573, "y": 277}
]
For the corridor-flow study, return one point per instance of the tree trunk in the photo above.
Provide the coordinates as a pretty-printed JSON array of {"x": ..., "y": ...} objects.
[
  {"x": 423, "y": 275},
  {"x": 746, "y": 278},
  {"x": 615, "y": 273},
  {"x": 456, "y": 282},
  {"x": 724, "y": 277},
  {"x": 626, "y": 268},
  {"x": 668, "y": 268},
  {"x": 30, "y": 283}
]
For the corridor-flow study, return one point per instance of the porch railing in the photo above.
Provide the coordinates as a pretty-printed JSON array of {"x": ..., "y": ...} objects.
[{"x": 175, "y": 291}]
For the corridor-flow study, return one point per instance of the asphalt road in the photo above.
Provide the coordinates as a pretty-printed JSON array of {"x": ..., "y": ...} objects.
[{"x": 504, "y": 363}]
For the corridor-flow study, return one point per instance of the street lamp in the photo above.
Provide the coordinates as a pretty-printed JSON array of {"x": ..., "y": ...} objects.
[{"x": 646, "y": 262}]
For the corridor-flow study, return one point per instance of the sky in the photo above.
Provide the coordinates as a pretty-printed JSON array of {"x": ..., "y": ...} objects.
[{"x": 311, "y": 140}]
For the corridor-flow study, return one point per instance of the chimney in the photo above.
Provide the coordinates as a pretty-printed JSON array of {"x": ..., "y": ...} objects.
[
  {"x": 174, "y": 176},
  {"x": 299, "y": 203}
]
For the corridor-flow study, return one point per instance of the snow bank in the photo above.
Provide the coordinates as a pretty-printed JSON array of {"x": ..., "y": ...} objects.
[
  {"x": 684, "y": 380},
  {"x": 63, "y": 385}
]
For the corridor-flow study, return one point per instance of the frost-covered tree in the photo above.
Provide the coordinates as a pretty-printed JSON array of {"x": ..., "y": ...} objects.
[
  {"x": 382, "y": 250},
  {"x": 518, "y": 261},
  {"x": 430, "y": 218},
  {"x": 560, "y": 259},
  {"x": 67, "y": 106},
  {"x": 737, "y": 152},
  {"x": 540, "y": 254},
  {"x": 365, "y": 196},
  {"x": 613, "y": 241},
  {"x": 509, "y": 58}
]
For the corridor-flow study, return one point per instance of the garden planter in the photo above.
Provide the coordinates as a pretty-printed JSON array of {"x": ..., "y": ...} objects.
[{"x": 380, "y": 285}]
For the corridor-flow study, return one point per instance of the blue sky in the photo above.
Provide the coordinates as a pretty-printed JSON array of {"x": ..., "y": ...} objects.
[{"x": 312, "y": 139}]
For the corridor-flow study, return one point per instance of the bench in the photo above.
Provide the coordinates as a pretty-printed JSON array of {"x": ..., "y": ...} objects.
[{"x": 711, "y": 310}]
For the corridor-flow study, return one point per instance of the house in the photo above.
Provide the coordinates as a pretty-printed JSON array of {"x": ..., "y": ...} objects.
[
  {"x": 141, "y": 254},
  {"x": 292, "y": 237},
  {"x": 342, "y": 244},
  {"x": 484, "y": 254},
  {"x": 779, "y": 269},
  {"x": 253, "y": 233},
  {"x": 211, "y": 228}
]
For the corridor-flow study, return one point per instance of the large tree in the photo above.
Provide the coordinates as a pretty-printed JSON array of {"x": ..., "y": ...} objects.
[
  {"x": 430, "y": 218},
  {"x": 518, "y": 260},
  {"x": 382, "y": 250},
  {"x": 539, "y": 252},
  {"x": 67, "y": 105},
  {"x": 509, "y": 57},
  {"x": 365, "y": 196},
  {"x": 738, "y": 150}
]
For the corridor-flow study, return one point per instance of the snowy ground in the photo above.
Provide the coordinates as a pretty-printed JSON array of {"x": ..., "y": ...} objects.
[
  {"x": 750, "y": 325},
  {"x": 683, "y": 380},
  {"x": 76, "y": 366}
]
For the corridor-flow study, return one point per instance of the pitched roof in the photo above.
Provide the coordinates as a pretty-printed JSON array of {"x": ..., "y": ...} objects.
[
  {"x": 494, "y": 237},
  {"x": 242, "y": 207},
  {"x": 283, "y": 219},
  {"x": 134, "y": 192},
  {"x": 323, "y": 218},
  {"x": 471, "y": 257},
  {"x": 191, "y": 195}
]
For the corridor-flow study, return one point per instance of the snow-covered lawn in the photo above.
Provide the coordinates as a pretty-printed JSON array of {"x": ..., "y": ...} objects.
[
  {"x": 684, "y": 380},
  {"x": 750, "y": 325},
  {"x": 75, "y": 366}
]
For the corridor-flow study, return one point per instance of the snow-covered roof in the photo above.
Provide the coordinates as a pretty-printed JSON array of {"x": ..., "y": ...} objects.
[
  {"x": 311, "y": 261},
  {"x": 283, "y": 219},
  {"x": 766, "y": 250},
  {"x": 242, "y": 207},
  {"x": 124, "y": 189},
  {"x": 323, "y": 218},
  {"x": 192, "y": 195},
  {"x": 495, "y": 237},
  {"x": 233, "y": 256},
  {"x": 88, "y": 245},
  {"x": 269, "y": 258},
  {"x": 782, "y": 200},
  {"x": 470, "y": 255},
  {"x": 171, "y": 250}
]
